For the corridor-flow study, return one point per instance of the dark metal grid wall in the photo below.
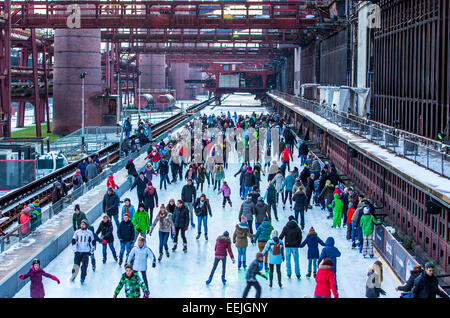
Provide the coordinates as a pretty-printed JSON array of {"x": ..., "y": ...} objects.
[
  {"x": 411, "y": 55},
  {"x": 334, "y": 59},
  {"x": 403, "y": 202}
]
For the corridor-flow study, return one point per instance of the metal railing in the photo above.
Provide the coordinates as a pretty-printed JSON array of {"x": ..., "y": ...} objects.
[{"x": 423, "y": 151}]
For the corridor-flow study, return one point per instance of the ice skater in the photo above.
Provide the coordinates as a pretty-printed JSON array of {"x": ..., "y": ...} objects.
[
  {"x": 139, "y": 254},
  {"x": 253, "y": 270},
  {"x": 83, "y": 246},
  {"x": 35, "y": 274},
  {"x": 223, "y": 247},
  {"x": 133, "y": 284}
]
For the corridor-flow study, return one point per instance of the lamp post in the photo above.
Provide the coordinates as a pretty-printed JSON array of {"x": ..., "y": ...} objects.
[
  {"x": 82, "y": 76},
  {"x": 139, "y": 98},
  {"x": 118, "y": 96}
]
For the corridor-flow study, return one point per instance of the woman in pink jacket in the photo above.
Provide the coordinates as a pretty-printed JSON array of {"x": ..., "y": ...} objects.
[
  {"x": 222, "y": 249},
  {"x": 35, "y": 273},
  {"x": 225, "y": 189}
]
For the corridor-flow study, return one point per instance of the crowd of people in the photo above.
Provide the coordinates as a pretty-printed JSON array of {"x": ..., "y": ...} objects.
[{"x": 310, "y": 183}]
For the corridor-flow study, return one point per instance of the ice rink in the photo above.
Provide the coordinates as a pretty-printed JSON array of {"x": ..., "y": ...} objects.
[{"x": 184, "y": 274}]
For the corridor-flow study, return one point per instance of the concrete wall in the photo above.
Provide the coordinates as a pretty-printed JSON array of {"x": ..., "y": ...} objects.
[
  {"x": 297, "y": 73},
  {"x": 361, "y": 64}
]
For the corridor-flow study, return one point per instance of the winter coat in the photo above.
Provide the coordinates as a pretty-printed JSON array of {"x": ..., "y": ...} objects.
[
  {"x": 77, "y": 180},
  {"x": 350, "y": 212},
  {"x": 131, "y": 168},
  {"x": 263, "y": 232},
  {"x": 247, "y": 209},
  {"x": 181, "y": 217},
  {"x": 165, "y": 223},
  {"x": 329, "y": 251},
  {"x": 271, "y": 194},
  {"x": 313, "y": 241},
  {"x": 410, "y": 282},
  {"x": 219, "y": 174},
  {"x": 316, "y": 165},
  {"x": 132, "y": 285},
  {"x": 105, "y": 229},
  {"x": 327, "y": 193},
  {"x": 261, "y": 211},
  {"x": 278, "y": 179},
  {"x": 140, "y": 255},
  {"x": 150, "y": 199},
  {"x": 111, "y": 204},
  {"x": 287, "y": 154},
  {"x": 76, "y": 220},
  {"x": 131, "y": 210},
  {"x": 56, "y": 195},
  {"x": 141, "y": 221},
  {"x": 141, "y": 185},
  {"x": 254, "y": 196},
  {"x": 201, "y": 175},
  {"x": 303, "y": 149},
  {"x": 426, "y": 286},
  {"x": 148, "y": 174},
  {"x": 309, "y": 186},
  {"x": 36, "y": 286},
  {"x": 82, "y": 166},
  {"x": 338, "y": 205},
  {"x": 223, "y": 245},
  {"x": 367, "y": 222},
  {"x": 269, "y": 248},
  {"x": 202, "y": 210},
  {"x": 373, "y": 284},
  {"x": 300, "y": 201},
  {"x": 292, "y": 234},
  {"x": 288, "y": 183},
  {"x": 226, "y": 190},
  {"x": 111, "y": 183},
  {"x": 91, "y": 171},
  {"x": 126, "y": 231},
  {"x": 240, "y": 235},
  {"x": 252, "y": 270},
  {"x": 163, "y": 167},
  {"x": 188, "y": 193},
  {"x": 325, "y": 281},
  {"x": 249, "y": 179},
  {"x": 304, "y": 175}
]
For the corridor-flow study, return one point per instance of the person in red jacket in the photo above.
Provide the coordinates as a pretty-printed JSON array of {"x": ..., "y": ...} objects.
[
  {"x": 25, "y": 220},
  {"x": 350, "y": 212},
  {"x": 285, "y": 155},
  {"x": 223, "y": 245},
  {"x": 338, "y": 191},
  {"x": 111, "y": 183},
  {"x": 325, "y": 280}
]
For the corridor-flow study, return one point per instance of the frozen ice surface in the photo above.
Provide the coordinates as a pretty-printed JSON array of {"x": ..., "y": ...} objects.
[{"x": 184, "y": 274}]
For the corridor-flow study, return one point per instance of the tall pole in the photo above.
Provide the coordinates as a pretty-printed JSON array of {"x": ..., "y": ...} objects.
[
  {"x": 118, "y": 97},
  {"x": 139, "y": 109},
  {"x": 82, "y": 76}
]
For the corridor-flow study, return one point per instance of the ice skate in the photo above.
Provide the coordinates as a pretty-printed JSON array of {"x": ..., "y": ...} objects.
[
  {"x": 206, "y": 236},
  {"x": 209, "y": 280},
  {"x": 167, "y": 253},
  {"x": 174, "y": 247},
  {"x": 198, "y": 236},
  {"x": 160, "y": 257},
  {"x": 184, "y": 247},
  {"x": 224, "y": 281}
]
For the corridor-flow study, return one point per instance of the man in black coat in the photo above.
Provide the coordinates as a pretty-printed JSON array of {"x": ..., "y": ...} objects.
[
  {"x": 304, "y": 175},
  {"x": 141, "y": 183},
  {"x": 111, "y": 205},
  {"x": 293, "y": 238},
  {"x": 181, "y": 223},
  {"x": 126, "y": 236},
  {"x": 163, "y": 170},
  {"x": 105, "y": 229},
  {"x": 309, "y": 190},
  {"x": 303, "y": 152},
  {"x": 132, "y": 173},
  {"x": 427, "y": 285},
  {"x": 188, "y": 195}
]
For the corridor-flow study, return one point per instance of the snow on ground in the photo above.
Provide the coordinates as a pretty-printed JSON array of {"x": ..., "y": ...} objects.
[{"x": 184, "y": 274}]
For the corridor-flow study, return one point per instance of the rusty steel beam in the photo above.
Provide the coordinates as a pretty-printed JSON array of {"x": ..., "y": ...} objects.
[{"x": 175, "y": 14}]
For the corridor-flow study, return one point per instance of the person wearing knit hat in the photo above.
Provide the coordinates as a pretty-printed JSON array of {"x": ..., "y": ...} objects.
[
  {"x": 141, "y": 222},
  {"x": 110, "y": 205},
  {"x": 240, "y": 235},
  {"x": 77, "y": 217},
  {"x": 313, "y": 241},
  {"x": 275, "y": 248},
  {"x": 222, "y": 249},
  {"x": 367, "y": 224},
  {"x": 105, "y": 229},
  {"x": 132, "y": 172}
]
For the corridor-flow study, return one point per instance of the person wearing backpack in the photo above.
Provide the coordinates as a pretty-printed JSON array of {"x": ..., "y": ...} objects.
[
  {"x": 293, "y": 237},
  {"x": 275, "y": 248}
]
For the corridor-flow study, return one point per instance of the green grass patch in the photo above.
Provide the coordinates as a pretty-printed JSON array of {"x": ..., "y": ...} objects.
[{"x": 30, "y": 131}]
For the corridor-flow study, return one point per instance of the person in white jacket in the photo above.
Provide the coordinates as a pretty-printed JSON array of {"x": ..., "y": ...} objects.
[
  {"x": 83, "y": 247},
  {"x": 140, "y": 254},
  {"x": 278, "y": 179}
]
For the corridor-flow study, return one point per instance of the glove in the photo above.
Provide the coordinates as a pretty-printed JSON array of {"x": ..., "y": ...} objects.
[
  {"x": 57, "y": 280},
  {"x": 382, "y": 292},
  {"x": 156, "y": 205},
  {"x": 147, "y": 231},
  {"x": 283, "y": 259},
  {"x": 153, "y": 264},
  {"x": 104, "y": 242},
  {"x": 114, "y": 296},
  {"x": 21, "y": 276},
  {"x": 146, "y": 294},
  {"x": 210, "y": 215},
  {"x": 233, "y": 260}
]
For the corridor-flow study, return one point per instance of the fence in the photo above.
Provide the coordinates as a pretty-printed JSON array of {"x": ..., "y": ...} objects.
[
  {"x": 423, "y": 151},
  {"x": 75, "y": 193}
]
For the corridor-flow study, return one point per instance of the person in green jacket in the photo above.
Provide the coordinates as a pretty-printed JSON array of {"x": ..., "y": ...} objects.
[
  {"x": 141, "y": 222},
  {"x": 367, "y": 222},
  {"x": 133, "y": 284},
  {"x": 78, "y": 216},
  {"x": 262, "y": 236},
  {"x": 338, "y": 207}
]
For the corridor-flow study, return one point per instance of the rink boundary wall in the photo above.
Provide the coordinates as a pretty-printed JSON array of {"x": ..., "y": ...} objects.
[{"x": 10, "y": 285}]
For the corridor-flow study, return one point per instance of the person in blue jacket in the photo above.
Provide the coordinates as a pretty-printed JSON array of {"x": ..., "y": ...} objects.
[
  {"x": 128, "y": 207},
  {"x": 313, "y": 241},
  {"x": 331, "y": 252}
]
